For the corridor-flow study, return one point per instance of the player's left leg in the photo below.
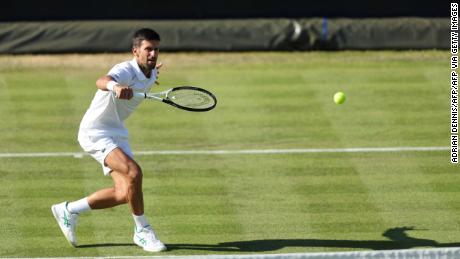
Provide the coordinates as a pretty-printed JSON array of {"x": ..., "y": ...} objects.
[{"x": 129, "y": 174}]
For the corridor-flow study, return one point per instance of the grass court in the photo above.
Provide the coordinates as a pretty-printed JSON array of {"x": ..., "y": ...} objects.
[{"x": 240, "y": 203}]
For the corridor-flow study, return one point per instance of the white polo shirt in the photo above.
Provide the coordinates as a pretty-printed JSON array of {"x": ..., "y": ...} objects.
[{"x": 106, "y": 113}]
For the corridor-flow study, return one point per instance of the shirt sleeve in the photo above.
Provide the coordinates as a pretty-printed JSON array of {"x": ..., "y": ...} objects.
[{"x": 121, "y": 74}]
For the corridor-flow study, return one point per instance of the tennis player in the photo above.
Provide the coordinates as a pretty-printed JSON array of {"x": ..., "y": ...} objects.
[{"x": 103, "y": 135}]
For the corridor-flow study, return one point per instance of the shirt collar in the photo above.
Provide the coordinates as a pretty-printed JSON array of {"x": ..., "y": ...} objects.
[{"x": 140, "y": 75}]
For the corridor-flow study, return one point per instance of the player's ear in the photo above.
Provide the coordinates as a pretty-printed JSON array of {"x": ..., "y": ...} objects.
[{"x": 135, "y": 51}]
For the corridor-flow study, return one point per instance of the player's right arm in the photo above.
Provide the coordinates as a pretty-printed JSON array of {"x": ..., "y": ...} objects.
[{"x": 107, "y": 83}]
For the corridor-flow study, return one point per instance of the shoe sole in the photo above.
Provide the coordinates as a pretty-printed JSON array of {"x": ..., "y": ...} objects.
[
  {"x": 164, "y": 248},
  {"x": 56, "y": 217}
]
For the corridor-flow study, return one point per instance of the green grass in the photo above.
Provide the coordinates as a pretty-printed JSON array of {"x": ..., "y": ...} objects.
[{"x": 233, "y": 204}]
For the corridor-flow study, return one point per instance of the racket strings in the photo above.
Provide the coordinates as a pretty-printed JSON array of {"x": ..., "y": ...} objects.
[{"x": 191, "y": 98}]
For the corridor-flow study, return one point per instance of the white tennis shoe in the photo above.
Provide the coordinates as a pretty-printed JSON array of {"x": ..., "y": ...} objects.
[
  {"x": 66, "y": 220},
  {"x": 146, "y": 238}
]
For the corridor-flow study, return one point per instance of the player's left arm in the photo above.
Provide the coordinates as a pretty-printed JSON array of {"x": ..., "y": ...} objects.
[{"x": 158, "y": 66}]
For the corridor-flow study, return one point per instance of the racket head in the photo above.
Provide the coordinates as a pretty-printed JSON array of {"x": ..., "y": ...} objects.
[{"x": 191, "y": 98}]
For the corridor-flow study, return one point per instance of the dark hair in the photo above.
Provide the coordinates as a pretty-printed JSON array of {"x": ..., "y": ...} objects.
[{"x": 144, "y": 34}]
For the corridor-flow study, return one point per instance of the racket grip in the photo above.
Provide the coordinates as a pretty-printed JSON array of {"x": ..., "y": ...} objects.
[{"x": 140, "y": 95}]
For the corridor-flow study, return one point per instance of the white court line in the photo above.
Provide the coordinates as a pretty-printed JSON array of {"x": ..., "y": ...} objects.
[
  {"x": 239, "y": 152},
  {"x": 427, "y": 253}
]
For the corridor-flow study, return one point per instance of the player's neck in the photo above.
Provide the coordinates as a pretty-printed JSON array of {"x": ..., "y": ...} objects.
[{"x": 147, "y": 72}]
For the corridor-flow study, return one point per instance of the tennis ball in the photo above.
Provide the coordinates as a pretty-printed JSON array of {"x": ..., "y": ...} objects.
[{"x": 339, "y": 97}]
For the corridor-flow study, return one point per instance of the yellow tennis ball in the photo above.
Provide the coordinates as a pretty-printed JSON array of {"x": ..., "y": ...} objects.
[{"x": 339, "y": 97}]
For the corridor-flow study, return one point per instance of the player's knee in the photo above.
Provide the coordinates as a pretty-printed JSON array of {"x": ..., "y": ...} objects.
[
  {"x": 122, "y": 197},
  {"x": 134, "y": 174},
  {"x": 121, "y": 194}
]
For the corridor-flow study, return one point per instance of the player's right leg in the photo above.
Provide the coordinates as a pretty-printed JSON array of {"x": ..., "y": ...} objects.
[
  {"x": 66, "y": 221},
  {"x": 66, "y": 213}
]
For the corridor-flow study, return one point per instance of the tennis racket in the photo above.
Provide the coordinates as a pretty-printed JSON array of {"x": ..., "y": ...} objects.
[{"x": 188, "y": 98}]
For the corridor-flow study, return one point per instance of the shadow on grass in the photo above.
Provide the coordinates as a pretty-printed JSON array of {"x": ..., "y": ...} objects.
[
  {"x": 398, "y": 239},
  {"x": 105, "y": 245}
]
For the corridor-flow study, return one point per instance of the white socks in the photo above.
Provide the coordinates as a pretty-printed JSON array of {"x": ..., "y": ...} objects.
[
  {"x": 141, "y": 221},
  {"x": 79, "y": 206},
  {"x": 82, "y": 205}
]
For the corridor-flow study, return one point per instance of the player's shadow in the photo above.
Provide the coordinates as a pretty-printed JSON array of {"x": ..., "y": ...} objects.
[
  {"x": 105, "y": 245},
  {"x": 398, "y": 239}
]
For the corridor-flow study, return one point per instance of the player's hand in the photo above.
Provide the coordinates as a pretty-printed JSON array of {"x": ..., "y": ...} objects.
[
  {"x": 123, "y": 92},
  {"x": 158, "y": 66}
]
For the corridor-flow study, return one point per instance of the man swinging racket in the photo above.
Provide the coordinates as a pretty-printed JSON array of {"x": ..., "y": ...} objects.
[{"x": 103, "y": 135}]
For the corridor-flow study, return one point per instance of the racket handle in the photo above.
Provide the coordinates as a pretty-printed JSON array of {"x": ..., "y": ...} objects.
[{"x": 140, "y": 95}]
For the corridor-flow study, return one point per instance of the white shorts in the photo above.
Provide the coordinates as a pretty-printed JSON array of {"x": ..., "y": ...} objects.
[{"x": 100, "y": 146}]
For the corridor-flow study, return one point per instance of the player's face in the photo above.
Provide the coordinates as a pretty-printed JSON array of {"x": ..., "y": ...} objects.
[{"x": 147, "y": 54}]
